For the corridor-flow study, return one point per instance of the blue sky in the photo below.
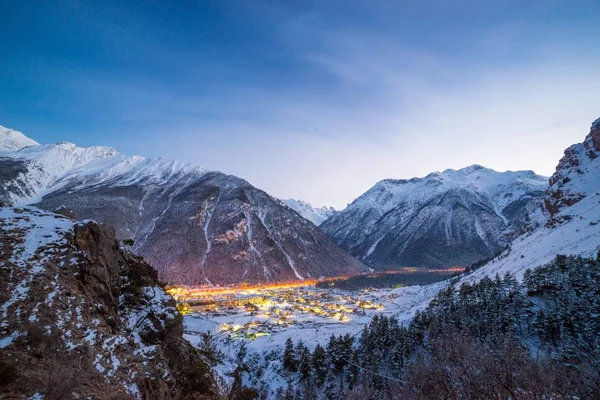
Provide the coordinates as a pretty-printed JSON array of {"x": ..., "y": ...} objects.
[{"x": 315, "y": 100}]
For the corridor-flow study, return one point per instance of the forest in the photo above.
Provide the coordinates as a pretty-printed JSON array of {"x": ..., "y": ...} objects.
[{"x": 494, "y": 339}]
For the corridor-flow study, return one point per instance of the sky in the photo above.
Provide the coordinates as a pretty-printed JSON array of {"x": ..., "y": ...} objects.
[{"x": 316, "y": 100}]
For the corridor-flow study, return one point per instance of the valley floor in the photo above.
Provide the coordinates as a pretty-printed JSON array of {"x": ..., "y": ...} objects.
[{"x": 312, "y": 315}]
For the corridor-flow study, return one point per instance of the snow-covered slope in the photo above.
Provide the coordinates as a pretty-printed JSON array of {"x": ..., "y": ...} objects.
[
  {"x": 573, "y": 199},
  {"x": 30, "y": 172},
  {"x": 316, "y": 215},
  {"x": 14, "y": 140},
  {"x": 455, "y": 217},
  {"x": 194, "y": 225}
]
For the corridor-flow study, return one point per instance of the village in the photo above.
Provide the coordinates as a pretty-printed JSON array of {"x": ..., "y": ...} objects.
[{"x": 248, "y": 314}]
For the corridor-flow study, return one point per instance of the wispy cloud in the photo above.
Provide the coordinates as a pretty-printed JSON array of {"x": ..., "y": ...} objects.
[{"x": 339, "y": 100}]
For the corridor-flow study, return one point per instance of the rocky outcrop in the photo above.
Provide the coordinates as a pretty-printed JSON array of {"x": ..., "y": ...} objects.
[
  {"x": 569, "y": 183},
  {"x": 83, "y": 318},
  {"x": 595, "y": 135}
]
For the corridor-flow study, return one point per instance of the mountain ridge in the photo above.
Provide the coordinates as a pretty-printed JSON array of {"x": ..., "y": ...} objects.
[
  {"x": 194, "y": 225},
  {"x": 439, "y": 209},
  {"x": 316, "y": 215}
]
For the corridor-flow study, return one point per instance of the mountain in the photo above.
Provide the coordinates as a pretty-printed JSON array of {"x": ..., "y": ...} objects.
[
  {"x": 14, "y": 140},
  {"x": 82, "y": 318},
  {"x": 455, "y": 217},
  {"x": 573, "y": 226},
  {"x": 195, "y": 226},
  {"x": 307, "y": 211}
]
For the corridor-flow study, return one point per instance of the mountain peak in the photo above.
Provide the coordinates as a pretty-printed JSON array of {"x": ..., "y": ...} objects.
[
  {"x": 316, "y": 215},
  {"x": 596, "y": 124},
  {"x": 14, "y": 140},
  {"x": 473, "y": 211},
  {"x": 474, "y": 168}
]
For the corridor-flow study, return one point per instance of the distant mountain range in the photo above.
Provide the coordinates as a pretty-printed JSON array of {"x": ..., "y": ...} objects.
[
  {"x": 473, "y": 214},
  {"x": 195, "y": 226},
  {"x": 306, "y": 210},
  {"x": 198, "y": 226},
  {"x": 455, "y": 217}
]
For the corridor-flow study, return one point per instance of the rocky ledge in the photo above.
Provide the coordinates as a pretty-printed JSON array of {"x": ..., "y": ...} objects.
[{"x": 82, "y": 318}]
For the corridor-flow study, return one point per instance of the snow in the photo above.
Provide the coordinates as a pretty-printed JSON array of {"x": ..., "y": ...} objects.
[
  {"x": 52, "y": 167},
  {"x": 6, "y": 341},
  {"x": 387, "y": 194},
  {"x": 41, "y": 229},
  {"x": 157, "y": 304},
  {"x": 262, "y": 214},
  {"x": 315, "y": 215},
  {"x": 133, "y": 390},
  {"x": 401, "y": 303},
  {"x": 308, "y": 328},
  {"x": 14, "y": 140},
  {"x": 36, "y": 229},
  {"x": 90, "y": 335},
  {"x": 579, "y": 234},
  {"x": 208, "y": 218},
  {"x": 393, "y": 205}
]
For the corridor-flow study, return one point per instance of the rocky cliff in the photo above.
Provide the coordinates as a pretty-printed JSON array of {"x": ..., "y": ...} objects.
[
  {"x": 81, "y": 318},
  {"x": 573, "y": 178}
]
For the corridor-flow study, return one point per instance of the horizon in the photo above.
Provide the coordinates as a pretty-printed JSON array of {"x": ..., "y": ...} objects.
[
  {"x": 316, "y": 102},
  {"x": 299, "y": 199}
]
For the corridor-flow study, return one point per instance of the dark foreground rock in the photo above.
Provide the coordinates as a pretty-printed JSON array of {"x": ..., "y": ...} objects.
[{"x": 81, "y": 317}]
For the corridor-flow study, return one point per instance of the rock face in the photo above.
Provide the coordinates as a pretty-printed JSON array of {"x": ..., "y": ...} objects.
[
  {"x": 573, "y": 179},
  {"x": 81, "y": 317},
  {"x": 316, "y": 215},
  {"x": 194, "y": 226},
  {"x": 445, "y": 219}
]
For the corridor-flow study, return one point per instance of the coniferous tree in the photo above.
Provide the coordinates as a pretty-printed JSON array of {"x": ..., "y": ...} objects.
[
  {"x": 353, "y": 373},
  {"x": 331, "y": 390},
  {"x": 289, "y": 356},
  {"x": 289, "y": 393},
  {"x": 304, "y": 361},
  {"x": 320, "y": 364}
]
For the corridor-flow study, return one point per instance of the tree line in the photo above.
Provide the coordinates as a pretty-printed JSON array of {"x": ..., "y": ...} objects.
[{"x": 497, "y": 338}]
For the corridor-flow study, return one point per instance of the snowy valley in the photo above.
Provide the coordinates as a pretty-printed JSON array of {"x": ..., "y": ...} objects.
[
  {"x": 81, "y": 289},
  {"x": 572, "y": 228}
]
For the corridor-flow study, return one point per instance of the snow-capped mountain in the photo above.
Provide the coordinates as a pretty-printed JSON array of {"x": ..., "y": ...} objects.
[
  {"x": 455, "y": 217},
  {"x": 316, "y": 215},
  {"x": 573, "y": 200},
  {"x": 195, "y": 226},
  {"x": 14, "y": 140}
]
